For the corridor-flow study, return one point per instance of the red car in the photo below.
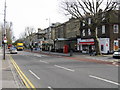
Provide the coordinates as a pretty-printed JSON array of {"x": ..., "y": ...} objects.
[{"x": 9, "y": 46}]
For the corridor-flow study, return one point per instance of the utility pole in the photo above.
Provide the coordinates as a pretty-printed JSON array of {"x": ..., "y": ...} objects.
[
  {"x": 49, "y": 34},
  {"x": 49, "y": 29},
  {"x": 4, "y": 31}
]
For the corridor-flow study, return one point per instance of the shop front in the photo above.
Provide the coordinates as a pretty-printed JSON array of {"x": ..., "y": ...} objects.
[{"x": 86, "y": 45}]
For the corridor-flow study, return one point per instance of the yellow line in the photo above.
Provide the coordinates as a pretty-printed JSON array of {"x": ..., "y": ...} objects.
[
  {"x": 22, "y": 74},
  {"x": 25, "y": 76}
]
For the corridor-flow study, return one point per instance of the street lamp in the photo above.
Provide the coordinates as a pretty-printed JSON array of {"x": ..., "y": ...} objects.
[
  {"x": 4, "y": 30},
  {"x": 49, "y": 29}
]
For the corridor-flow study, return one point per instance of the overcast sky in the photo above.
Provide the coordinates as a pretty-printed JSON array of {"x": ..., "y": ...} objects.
[{"x": 31, "y": 13}]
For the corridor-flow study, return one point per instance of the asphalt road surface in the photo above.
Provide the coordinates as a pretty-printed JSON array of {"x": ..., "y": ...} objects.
[{"x": 46, "y": 71}]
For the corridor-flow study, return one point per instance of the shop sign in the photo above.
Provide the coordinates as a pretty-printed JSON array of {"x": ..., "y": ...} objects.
[{"x": 87, "y": 42}]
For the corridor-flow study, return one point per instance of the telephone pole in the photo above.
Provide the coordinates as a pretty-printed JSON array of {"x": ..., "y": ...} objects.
[{"x": 4, "y": 31}]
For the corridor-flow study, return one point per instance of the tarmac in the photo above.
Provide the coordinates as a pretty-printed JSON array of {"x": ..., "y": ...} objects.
[
  {"x": 10, "y": 79},
  {"x": 107, "y": 58}
]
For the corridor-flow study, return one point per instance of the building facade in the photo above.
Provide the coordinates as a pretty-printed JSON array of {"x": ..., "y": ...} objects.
[
  {"x": 66, "y": 34},
  {"x": 108, "y": 34}
]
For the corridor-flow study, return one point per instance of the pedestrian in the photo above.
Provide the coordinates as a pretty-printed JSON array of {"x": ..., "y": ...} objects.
[{"x": 91, "y": 51}]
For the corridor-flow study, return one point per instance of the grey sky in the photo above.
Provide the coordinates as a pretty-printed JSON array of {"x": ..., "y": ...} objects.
[{"x": 31, "y": 13}]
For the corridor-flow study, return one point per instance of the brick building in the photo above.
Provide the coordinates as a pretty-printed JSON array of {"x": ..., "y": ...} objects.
[{"x": 108, "y": 33}]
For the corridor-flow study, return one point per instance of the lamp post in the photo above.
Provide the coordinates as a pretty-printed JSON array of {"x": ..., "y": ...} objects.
[
  {"x": 4, "y": 32},
  {"x": 49, "y": 29}
]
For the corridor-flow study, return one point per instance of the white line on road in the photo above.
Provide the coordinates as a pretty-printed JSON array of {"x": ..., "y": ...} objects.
[
  {"x": 34, "y": 74},
  {"x": 37, "y": 55},
  {"x": 44, "y": 61},
  {"x": 50, "y": 87},
  {"x": 114, "y": 63},
  {"x": 117, "y": 65},
  {"x": 102, "y": 79},
  {"x": 64, "y": 68}
]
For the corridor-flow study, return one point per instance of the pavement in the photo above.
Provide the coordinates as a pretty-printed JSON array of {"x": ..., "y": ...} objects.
[{"x": 9, "y": 77}]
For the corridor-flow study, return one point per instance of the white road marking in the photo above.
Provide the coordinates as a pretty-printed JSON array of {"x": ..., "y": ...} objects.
[
  {"x": 37, "y": 55},
  {"x": 64, "y": 68},
  {"x": 44, "y": 61},
  {"x": 34, "y": 74},
  {"x": 116, "y": 65},
  {"x": 102, "y": 79},
  {"x": 50, "y": 87}
]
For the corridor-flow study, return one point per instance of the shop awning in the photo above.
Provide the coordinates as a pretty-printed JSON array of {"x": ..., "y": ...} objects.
[
  {"x": 62, "y": 39},
  {"x": 86, "y": 43}
]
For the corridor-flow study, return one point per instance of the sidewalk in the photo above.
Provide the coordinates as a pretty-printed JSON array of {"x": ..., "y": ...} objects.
[
  {"x": 9, "y": 79},
  {"x": 0, "y": 69}
]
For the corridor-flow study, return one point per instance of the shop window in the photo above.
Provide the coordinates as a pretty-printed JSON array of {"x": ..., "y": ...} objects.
[
  {"x": 102, "y": 47},
  {"x": 115, "y": 28}
]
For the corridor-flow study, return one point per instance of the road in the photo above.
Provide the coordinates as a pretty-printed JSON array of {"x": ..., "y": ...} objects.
[{"x": 45, "y": 71}]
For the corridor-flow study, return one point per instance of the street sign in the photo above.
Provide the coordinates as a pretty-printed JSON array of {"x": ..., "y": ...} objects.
[{"x": 5, "y": 40}]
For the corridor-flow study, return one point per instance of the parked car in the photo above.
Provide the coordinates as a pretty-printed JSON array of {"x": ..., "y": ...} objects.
[
  {"x": 116, "y": 54},
  {"x": 13, "y": 50}
]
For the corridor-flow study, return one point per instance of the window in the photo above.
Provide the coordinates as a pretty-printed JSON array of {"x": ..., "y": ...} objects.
[
  {"x": 89, "y": 20},
  {"x": 115, "y": 28},
  {"x": 89, "y": 32},
  {"x": 83, "y": 23},
  {"x": 103, "y": 29},
  {"x": 83, "y": 32}
]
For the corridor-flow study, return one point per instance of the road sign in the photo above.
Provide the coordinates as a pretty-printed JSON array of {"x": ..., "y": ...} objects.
[{"x": 5, "y": 40}]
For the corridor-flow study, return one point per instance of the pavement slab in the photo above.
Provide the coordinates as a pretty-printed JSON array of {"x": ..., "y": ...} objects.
[
  {"x": 8, "y": 80},
  {"x": 9, "y": 77}
]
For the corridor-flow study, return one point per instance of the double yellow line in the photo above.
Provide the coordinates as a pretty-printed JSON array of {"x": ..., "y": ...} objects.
[{"x": 25, "y": 80}]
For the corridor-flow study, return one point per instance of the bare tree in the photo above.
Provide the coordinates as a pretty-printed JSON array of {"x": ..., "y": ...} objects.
[
  {"x": 96, "y": 9},
  {"x": 9, "y": 32},
  {"x": 29, "y": 34}
]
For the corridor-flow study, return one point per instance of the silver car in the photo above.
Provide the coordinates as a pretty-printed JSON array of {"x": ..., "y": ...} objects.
[
  {"x": 116, "y": 54},
  {"x": 13, "y": 50}
]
